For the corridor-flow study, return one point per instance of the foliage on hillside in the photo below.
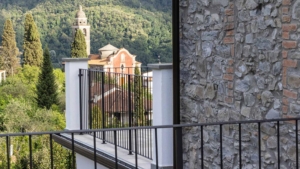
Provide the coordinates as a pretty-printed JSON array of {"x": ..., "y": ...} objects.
[
  {"x": 141, "y": 26},
  {"x": 20, "y": 113}
]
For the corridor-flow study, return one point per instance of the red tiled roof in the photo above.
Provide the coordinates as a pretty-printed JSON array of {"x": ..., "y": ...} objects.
[
  {"x": 117, "y": 100},
  {"x": 94, "y": 56}
]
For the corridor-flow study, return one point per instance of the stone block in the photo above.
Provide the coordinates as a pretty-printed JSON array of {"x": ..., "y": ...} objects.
[
  {"x": 229, "y": 12},
  {"x": 244, "y": 16},
  {"x": 273, "y": 114},
  {"x": 295, "y": 108},
  {"x": 295, "y": 55},
  {"x": 289, "y": 27},
  {"x": 285, "y": 54},
  {"x": 210, "y": 92},
  {"x": 249, "y": 99},
  {"x": 286, "y": 18},
  {"x": 250, "y": 4},
  {"x": 229, "y": 26},
  {"x": 286, "y": 2},
  {"x": 228, "y": 77},
  {"x": 209, "y": 35},
  {"x": 289, "y": 44},
  {"x": 290, "y": 94},
  {"x": 285, "y": 10},
  {"x": 249, "y": 38},
  {"x": 230, "y": 70},
  {"x": 267, "y": 98},
  {"x": 293, "y": 80},
  {"x": 263, "y": 43},
  {"x": 289, "y": 63},
  {"x": 285, "y": 35},
  {"x": 228, "y": 100},
  {"x": 228, "y": 40},
  {"x": 246, "y": 111}
]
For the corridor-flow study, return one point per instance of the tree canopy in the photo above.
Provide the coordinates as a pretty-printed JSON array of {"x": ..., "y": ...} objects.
[
  {"x": 9, "y": 60},
  {"x": 32, "y": 46},
  {"x": 78, "y": 48},
  {"x": 46, "y": 87}
]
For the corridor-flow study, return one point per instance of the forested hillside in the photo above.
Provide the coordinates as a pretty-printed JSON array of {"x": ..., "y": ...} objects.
[{"x": 141, "y": 26}]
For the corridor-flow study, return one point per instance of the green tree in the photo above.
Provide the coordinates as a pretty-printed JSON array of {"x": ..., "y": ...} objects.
[
  {"x": 78, "y": 47},
  {"x": 138, "y": 96},
  {"x": 96, "y": 117},
  {"x": 46, "y": 86},
  {"x": 33, "y": 52},
  {"x": 9, "y": 53}
]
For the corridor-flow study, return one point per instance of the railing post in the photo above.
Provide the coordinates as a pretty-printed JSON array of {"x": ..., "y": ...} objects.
[
  {"x": 102, "y": 102},
  {"x": 72, "y": 65},
  {"x": 162, "y": 115},
  {"x": 130, "y": 115}
]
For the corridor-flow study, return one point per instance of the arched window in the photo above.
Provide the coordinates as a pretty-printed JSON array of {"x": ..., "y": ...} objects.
[{"x": 84, "y": 32}]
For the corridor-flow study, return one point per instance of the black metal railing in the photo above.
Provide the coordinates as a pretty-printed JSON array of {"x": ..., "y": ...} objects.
[
  {"x": 290, "y": 124},
  {"x": 117, "y": 100}
]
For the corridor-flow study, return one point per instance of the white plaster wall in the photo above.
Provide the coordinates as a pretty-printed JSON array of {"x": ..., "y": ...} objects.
[
  {"x": 85, "y": 163},
  {"x": 163, "y": 115},
  {"x": 72, "y": 93}
]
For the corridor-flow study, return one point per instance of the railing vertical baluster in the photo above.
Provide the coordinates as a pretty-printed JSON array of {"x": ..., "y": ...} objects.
[
  {"x": 130, "y": 113},
  {"x": 221, "y": 147},
  {"x": 95, "y": 157},
  {"x": 116, "y": 150},
  {"x": 156, "y": 148},
  {"x": 51, "y": 152},
  {"x": 240, "y": 146},
  {"x": 103, "y": 110},
  {"x": 136, "y": 151},
  {"x": 259, "y": 146},
  {"x": 202, "y": 146},
  {"x": 73, "y": 151},
  {"x": 89, "y": 99},
  {"x": 7, "y": 151},
  {"x": 278, "y": 145},
  {"x": 296, "y": 135},
  {"x": 80, "y": 98},
  {"x": 30, "y": 152}
]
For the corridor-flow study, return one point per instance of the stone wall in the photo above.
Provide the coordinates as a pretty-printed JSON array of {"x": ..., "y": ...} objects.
[{"x": 239, "y": 61}]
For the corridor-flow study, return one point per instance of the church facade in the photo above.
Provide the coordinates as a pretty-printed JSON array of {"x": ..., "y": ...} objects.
[{"x": 109, "y": 58}]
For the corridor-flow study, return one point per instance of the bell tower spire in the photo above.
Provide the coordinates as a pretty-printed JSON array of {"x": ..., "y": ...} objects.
[{"x": 82, "y": 24}]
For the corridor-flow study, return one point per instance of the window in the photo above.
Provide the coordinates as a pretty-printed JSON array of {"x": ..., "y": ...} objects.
[{"x": 122, "y": 58}]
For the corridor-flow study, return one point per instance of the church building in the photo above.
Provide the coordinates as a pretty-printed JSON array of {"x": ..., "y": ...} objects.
[{"x": 109, "y": 58}]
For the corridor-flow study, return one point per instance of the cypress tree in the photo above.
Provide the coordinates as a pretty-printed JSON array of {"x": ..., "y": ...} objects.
[
  {"x": 78, "y": 47},
  {"x": 46, "y": 87},
  {"x": 138, "y": 96},
  {"x": 9, "y": 53},
  {"x": 33, "y": 52}
]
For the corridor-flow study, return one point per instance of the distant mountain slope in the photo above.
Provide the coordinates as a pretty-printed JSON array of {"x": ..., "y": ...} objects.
[{"x": 141, "y": 26}]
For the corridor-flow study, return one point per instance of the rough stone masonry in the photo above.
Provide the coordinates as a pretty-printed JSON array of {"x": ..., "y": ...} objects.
[{"x": 239, "y": 61}]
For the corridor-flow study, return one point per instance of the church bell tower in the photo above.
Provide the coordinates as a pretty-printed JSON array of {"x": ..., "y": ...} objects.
[{"x": 81, "y": 23}]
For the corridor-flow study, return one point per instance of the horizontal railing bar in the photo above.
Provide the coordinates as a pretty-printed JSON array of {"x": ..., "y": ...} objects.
[{"x": 152, "y": 127}]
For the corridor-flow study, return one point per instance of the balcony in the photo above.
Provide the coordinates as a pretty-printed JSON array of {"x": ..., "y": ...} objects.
[
  {"x": 113, "y": 135},
  {"x": 110, "y": 155}
]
